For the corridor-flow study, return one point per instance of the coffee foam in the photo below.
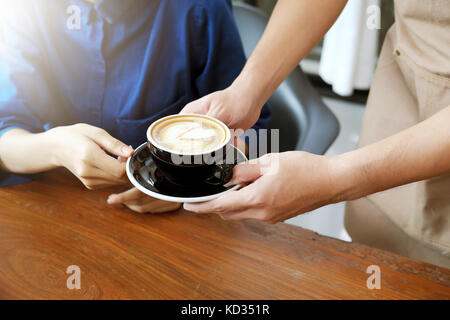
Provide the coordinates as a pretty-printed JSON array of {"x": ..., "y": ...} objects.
[{"x": 189, "y": 134}]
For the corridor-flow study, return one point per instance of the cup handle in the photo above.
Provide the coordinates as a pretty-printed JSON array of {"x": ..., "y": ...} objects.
[{"x": 225, "y": 172}]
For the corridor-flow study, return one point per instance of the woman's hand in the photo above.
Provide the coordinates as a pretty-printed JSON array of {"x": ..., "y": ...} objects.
[
  {"x": 142, "y": 203},
  {"x": 283, "y": 185},
  {"x": 81, "y": 148}
]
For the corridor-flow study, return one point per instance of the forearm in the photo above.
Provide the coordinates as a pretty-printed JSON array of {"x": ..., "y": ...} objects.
[
  {"x": 25, "y": 152},
  {"x": 420, "y": 152},
  {"x": 295, "y": 27}
]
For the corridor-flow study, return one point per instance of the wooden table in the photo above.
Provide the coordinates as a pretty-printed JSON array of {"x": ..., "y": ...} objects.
[{"x": 53, "y": 222}]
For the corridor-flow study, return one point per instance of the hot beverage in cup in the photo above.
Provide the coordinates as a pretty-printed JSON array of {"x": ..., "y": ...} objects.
[
  {"x": 189, "y": 134},
  {"x": 191, "y": 149}
]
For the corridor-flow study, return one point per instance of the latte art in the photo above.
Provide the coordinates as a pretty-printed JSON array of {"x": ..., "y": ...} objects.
[{"x": 189, "y": 134}]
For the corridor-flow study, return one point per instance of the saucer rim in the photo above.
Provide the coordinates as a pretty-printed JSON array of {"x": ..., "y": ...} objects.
[{"x": 173, "y": 198}]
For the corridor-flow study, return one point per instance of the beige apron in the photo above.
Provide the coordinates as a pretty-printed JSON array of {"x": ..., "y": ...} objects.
[{"x": 412, "y": 82}]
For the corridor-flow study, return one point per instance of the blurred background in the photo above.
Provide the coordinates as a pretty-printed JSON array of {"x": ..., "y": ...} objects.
[{"x": 340, "y": 69}]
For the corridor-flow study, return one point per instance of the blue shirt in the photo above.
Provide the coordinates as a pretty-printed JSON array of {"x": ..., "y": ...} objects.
[{"x": 120, "y": 66}]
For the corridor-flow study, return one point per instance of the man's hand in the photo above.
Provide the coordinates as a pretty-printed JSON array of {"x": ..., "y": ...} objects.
[
  {"x": 233, "y": 108},
  {"x": 142, "y": 203},
  {"x": 292, "y": 183},
  {"x": 81, "y": 148},
  {"x": 283, "y": 185}
]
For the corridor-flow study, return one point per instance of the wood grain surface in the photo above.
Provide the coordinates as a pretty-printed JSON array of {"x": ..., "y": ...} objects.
[{"x": 53, "y": 222}]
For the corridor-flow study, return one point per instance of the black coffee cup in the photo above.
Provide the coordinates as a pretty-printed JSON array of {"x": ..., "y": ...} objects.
[{"x": 214, "y": 166}]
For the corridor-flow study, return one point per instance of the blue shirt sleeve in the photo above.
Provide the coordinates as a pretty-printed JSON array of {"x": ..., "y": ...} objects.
[
  {"x": 23, "y": 89},
  {"x": 21, "y": 82},
  {"x": 220, "y": 45}
]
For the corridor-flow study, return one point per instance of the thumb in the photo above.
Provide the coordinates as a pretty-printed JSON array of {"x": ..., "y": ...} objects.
[
  {"x": 122, "y": 159},
  {"x": 112, "y": 145},
  {"x": 245, "y": 172},
  {"x": 199, "y": 106}
]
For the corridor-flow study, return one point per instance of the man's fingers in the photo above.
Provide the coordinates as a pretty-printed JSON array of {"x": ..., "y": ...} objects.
[
  {"x": 240, "y": 144},
  {"x": 251, "y": 213},
  {"x": 197, "y": 106},
  {"x": 231, "y": 201},
  {"x": 127, "y": 196},
  {"x": 245, "y": 172}
]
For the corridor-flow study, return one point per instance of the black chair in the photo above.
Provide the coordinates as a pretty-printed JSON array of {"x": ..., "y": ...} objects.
[{"x": 304, "y": 121}]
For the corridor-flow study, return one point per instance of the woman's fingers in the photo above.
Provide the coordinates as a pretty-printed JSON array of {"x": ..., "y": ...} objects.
[
  {"x": 130, "y": 196},
  {"x": 98, "y": 174},
  {"x": 142, "y": 203},
  {"x": 122, "y": 159},
  {"x": 155, "y": 207},
  {"x": 94, "y": 184},
  {"x": 101, "y": 141},
  {"x": 108, "y": 143},
  {"x": 112, "y": 166},
  {"x": 94, "y": 178}
]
